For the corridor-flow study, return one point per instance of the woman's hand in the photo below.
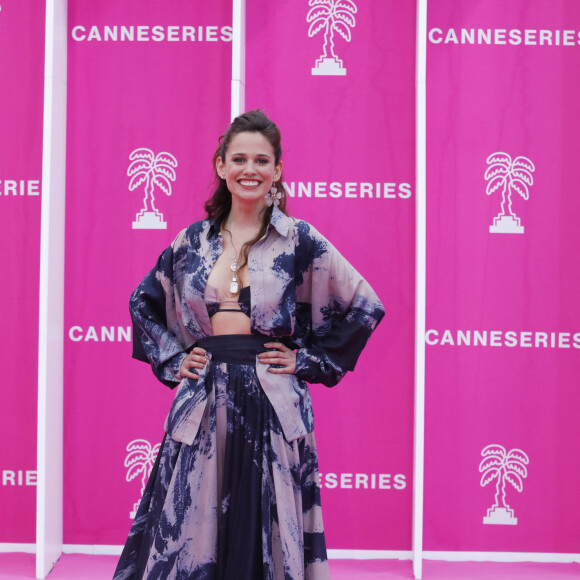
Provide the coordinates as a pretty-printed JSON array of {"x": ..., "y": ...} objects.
[
  {"x": 283, "y": 356},
  {"x": 196, "y": 359}
]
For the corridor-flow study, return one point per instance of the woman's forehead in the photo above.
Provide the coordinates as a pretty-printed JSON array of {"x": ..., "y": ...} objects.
[{"x": 253, "y": 143}]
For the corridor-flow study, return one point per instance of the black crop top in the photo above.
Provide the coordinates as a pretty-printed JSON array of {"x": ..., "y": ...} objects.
[{"x": 214, "y": 305}]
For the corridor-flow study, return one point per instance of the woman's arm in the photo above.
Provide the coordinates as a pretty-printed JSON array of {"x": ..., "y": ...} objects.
[
  {"x": 343, "y": 310},
  {"x": 157, "y": 338}
]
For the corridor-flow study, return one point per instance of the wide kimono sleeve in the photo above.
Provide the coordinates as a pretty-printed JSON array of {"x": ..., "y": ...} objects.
[
  {"x": 336, "y": 310},
  {"x": 159, "y": 337}
]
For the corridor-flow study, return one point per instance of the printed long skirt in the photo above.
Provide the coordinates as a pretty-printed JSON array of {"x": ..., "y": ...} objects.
[{"x": 241, "y": 503}]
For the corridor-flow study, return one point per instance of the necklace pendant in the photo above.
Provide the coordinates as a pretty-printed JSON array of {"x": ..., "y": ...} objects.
[{"x": 234, "y": 287}]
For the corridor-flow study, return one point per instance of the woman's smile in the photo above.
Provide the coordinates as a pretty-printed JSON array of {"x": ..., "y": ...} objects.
[{"x": 249, "y": 168}]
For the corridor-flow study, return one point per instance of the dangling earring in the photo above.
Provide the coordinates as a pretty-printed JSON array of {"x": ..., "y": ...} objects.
[{"x": 273, "y": 196}]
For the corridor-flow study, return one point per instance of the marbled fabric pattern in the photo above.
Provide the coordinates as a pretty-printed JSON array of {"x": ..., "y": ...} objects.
[
  {"x": 240, "y": 503},
  {"x": 303, "y": 291},
  {"x": 234, "y": 495}
]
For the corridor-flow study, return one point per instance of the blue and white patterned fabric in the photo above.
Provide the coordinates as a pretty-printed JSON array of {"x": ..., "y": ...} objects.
[
  {"x": 234, "y": 492},
  {"x": 302, "y": 291}
]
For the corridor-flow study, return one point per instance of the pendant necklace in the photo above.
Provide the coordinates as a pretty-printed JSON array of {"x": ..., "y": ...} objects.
[{"x": 234, "y": 285}]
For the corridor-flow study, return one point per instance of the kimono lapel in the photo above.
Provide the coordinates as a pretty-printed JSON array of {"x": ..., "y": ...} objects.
[{"x": 205, "y": 247}]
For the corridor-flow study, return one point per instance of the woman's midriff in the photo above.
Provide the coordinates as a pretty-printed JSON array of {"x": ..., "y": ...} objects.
[{"x": 230, "y": 323}]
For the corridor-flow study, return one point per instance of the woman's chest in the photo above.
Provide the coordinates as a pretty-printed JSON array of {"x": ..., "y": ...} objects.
[{"x": 269, "y": 272}]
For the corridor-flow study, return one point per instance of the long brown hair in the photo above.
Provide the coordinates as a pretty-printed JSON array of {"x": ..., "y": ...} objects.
[{"x": 218, "y": 206}]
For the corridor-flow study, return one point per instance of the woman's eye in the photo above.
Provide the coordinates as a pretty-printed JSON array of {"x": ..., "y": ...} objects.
[
  {"x": 262, "y": 162},
  {"x": 238, "y": 159}
]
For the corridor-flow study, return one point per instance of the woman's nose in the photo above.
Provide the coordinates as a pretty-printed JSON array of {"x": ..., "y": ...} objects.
[{"x": 250, "y": 168}]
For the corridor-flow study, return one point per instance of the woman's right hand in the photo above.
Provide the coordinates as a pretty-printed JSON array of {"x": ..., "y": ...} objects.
[{"x": 196, "y": 359}]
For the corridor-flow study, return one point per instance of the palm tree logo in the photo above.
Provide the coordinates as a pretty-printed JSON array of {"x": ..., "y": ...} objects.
[
  {"x": 505, "y": 468},
  {"x": 140, "y": 461},
  {"x": 155, "y": 171},
  {"x": 512, "y": 177},
  {"x": 332, "y": 16}
]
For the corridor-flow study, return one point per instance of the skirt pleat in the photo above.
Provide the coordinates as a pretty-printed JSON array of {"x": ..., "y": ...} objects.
[{"x": 240, "y": 503}]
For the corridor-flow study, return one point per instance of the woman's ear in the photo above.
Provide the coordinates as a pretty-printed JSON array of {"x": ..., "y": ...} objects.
[
  {"x": 220, "y": 168},
  {"x": 278, "y": 171}
]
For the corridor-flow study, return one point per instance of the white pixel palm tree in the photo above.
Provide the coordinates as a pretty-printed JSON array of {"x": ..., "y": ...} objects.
[
  {"x": 505, "y": 468},
  {"x": 510, "y": 176},
  {"x": 140, "y": 460},
  {"x": 332, "y": 16},
  {"x": 153, "y": 170}
]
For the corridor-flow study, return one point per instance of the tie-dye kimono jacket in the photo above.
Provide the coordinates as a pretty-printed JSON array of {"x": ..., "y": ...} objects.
[{"x": 303, "y": 292}]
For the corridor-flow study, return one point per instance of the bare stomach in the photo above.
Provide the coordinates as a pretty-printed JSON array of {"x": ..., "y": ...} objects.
[{"x": 230, "y": 323}]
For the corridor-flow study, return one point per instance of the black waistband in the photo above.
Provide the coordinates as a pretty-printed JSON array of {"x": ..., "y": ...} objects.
[{"x": 234, "y": 348}]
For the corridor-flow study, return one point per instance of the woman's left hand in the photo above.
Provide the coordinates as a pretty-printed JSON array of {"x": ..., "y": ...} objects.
[{"x": 283, "y": 356}]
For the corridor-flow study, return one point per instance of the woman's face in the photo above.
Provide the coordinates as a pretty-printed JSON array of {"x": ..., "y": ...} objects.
[{"x": 249, "y": 168}]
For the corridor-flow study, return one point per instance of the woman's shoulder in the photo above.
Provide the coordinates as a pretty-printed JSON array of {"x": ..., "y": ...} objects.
[
  {"x": 190, "y": 236},
  {"x": 299, "y": 229},
  {"x": 308, "y": 234},
  {"x": 310, "y": 244}
]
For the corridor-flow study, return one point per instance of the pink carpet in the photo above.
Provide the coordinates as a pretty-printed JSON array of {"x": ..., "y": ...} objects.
[{"x": 84, "y": 567}]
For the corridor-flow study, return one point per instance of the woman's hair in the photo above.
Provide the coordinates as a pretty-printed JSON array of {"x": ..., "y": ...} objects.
[{"x": 218, "y": 206}]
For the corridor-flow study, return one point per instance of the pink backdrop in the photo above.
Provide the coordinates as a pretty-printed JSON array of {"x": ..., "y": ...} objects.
[
  {"x": 21, "y": 86},
  {"x": 174, "y": 97},
  {"x": 503, "y": 336},
  {"x": 345, "y": 135},
  {"x": 170, "y": 95},
  {"x": 519, "y": 389}
]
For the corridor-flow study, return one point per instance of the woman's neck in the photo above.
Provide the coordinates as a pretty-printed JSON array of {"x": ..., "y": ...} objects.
[{"x": 245, "y": 217}]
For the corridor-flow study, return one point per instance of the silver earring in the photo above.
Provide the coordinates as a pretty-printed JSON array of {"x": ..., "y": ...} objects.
[{"x": 273, "y": 196}]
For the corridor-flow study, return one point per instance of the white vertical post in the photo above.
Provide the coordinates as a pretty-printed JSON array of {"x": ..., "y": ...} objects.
[
  {"x": 49, "y": 504},
  {"x": 420, "y": 287},
  {"x": 238, "y": 58}
]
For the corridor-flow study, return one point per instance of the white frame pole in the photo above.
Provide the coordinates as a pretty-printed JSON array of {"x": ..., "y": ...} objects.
[
  {"x": 420, "y": 288},
  {"x": 49, "y": 501},
  {"x": 238, "y": 96}
]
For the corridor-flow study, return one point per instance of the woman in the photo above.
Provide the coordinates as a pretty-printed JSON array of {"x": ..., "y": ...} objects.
[{"x": 240, "y": 310}]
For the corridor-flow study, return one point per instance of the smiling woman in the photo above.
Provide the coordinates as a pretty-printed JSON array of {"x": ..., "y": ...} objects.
[
  {"x": 250, "y": 169},
  {"x": 241, "y": 310}
]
